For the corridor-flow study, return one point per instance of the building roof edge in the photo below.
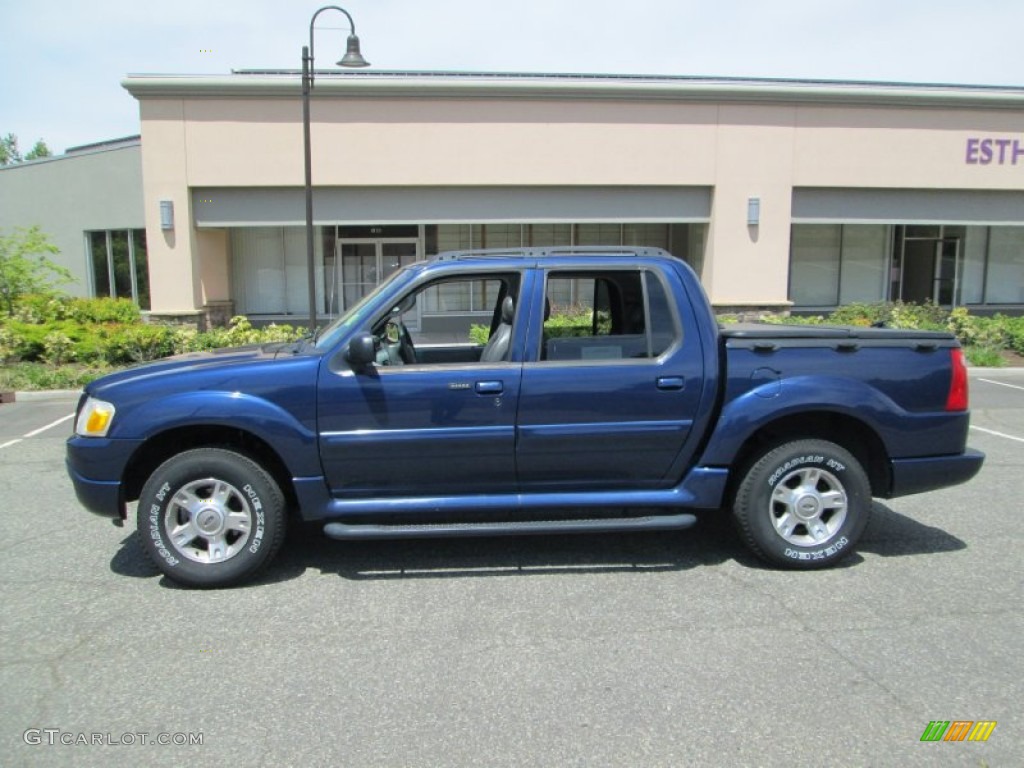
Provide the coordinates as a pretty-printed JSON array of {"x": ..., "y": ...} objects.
[{"x": 287, "y": 84}]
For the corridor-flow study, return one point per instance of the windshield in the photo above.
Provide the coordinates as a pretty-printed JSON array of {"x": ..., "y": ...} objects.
[{"x": 355, "y": 315}]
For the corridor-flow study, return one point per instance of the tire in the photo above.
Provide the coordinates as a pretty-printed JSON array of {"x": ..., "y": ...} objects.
[
  {"x": 211, "y": 517},
  {"x": 803, "y": 504}
]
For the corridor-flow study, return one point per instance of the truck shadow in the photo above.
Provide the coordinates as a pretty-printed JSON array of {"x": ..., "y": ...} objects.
[
  {"x": 711, "y": 542},
  {"x": 498, "y": 556},
  {"x": 891, "y": 534}
]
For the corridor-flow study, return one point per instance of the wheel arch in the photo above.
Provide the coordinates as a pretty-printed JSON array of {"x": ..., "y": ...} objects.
[
  {"x": 163, "y": 445},
  {"x": 845, "y": 431}
]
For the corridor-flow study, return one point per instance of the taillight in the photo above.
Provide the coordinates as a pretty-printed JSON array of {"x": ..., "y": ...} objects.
[{"x": 956, "y": 400}]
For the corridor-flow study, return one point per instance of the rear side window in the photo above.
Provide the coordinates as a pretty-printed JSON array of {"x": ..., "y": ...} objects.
[
  {"x": 606, "y": 315},
  {"x": 659, "y": 311}
]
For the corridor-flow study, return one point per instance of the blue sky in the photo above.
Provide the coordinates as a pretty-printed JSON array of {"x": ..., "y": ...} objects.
[{"x": 63, "y": 60}]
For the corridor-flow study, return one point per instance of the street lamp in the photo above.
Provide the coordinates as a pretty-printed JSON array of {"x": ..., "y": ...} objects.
[{"x": 352, "y": 58}]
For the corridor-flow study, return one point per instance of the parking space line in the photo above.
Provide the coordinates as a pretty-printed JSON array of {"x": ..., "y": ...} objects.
[
  {"x": 1002, "y": 384},
  {"x": 35, "y": 432},
  {"x": 51, "y": 425},
  {"x": 998, "y": 434}
]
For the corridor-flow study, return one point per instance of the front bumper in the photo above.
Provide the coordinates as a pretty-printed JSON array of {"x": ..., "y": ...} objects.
[
  {"x": 926, "y": 474},
  {"x": 101, "y": 497},
  {"x": 96, "y": 467}
]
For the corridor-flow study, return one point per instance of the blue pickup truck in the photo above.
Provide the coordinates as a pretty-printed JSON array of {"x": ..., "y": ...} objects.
[{"x": 598, "y": 394}]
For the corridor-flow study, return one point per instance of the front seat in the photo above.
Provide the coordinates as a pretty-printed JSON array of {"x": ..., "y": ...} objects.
[{"x": 497, "y": 346}]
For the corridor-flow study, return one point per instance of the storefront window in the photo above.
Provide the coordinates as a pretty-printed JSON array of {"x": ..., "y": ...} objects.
[
  {"x": 678, "y": 239},
  {"x": 972, "y": 276},
  {"x": 834, "y": 264},
  {"x": 1005, "y": 282},
  {"x": 814, "y": 265},
  {"x": 120, "y": 256},
  {"x": 100, "y": 263},
  {"x": 864, "y": 257},
  {"x": 270, "y": 272}
]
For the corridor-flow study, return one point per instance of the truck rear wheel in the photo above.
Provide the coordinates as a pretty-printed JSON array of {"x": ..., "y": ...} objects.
[
  {"x": 803, "y": 504},
  {"x": 211, "y": 517}
]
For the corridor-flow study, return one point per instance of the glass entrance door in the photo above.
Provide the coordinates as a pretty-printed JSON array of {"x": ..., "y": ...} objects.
[
  {"x": 365, "y": 263},
  {"x": 928, "y": 270},
  {"x": 947, "y": 277}
]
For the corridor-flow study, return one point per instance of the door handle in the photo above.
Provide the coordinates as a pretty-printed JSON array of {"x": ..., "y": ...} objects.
[
  {"x": 489, "y": 387},
  {"x": 670, "y": 382}
]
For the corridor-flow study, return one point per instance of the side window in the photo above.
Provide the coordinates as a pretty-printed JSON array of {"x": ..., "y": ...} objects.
[
  {"x": 458, "y": 311},
  {"x": 606, "y": 315},
  {"x": 462, "y": 319},
  {"x": 662, "y": 319}
]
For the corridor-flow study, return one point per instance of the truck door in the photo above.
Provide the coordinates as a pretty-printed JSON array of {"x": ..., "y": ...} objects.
[
  {"x": 611, "y": 384},
  {"x": 436, "y": 414}
]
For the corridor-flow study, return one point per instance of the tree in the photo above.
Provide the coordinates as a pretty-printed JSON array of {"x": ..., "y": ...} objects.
[
  {"x": 9, "y": 153},
  {"x": 39, "y": 150},
  {"x": 9, "y": 150},
  {"x": 25, "y": 268}
]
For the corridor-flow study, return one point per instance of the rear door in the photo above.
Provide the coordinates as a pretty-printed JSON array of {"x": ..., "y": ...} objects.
[{"x": 611, "y": 383}]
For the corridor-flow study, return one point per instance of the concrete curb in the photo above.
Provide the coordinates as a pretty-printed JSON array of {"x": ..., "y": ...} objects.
[
  {"x": 994, "y": 371},
  {"x": 47, "y": 394}
]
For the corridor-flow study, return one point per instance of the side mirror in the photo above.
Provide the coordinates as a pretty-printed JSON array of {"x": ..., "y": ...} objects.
[{"x": 362, "y": 350}]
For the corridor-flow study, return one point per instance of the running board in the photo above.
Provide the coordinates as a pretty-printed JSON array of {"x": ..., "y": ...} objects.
[{"x": 525, "y": 528}]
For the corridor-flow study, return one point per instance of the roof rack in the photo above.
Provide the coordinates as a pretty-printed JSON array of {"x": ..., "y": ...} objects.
[{"x": 548, "y": 251}]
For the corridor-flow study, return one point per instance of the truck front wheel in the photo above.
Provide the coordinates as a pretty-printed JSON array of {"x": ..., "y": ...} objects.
[
  {"x": 803, "y": 504},
  {"x": 211, "y": 517}
]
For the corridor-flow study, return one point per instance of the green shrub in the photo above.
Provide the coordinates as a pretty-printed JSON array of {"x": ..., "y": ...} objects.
[
  {"x": 1013, "y": 332},
  {"x": 40, "y": 309},
  {"x": 104, "y": 310},
  {"x": 972, "y": 330},
  {"x": 861, "y": 314},
  {"x": 26, "y": 340},
  {"x": 576, "y": 320},
  {"x": 239, "y": 333},
  {"x": 925, "y": 317},
  {"x": 985, "y": 357},
  {"x": 479, "y": 334},
  {"x": 792, "y": 319},
  {"x": 34, "y": 376},
  {"x": 7, "y": 344},
  {"x": 57, "y": 348},
  {"x": 139, "y": 343}
]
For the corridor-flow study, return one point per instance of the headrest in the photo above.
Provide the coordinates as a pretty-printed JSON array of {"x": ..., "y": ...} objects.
[{"x": 508, "y": 310}]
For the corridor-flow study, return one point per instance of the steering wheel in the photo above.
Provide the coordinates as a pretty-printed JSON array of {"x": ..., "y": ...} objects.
[{"x": 406, "y": 350}]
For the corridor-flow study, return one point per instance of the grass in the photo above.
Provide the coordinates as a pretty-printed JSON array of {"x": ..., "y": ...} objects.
[
  {"x": 27, "y": 377},
  {"x": 984, "y": 357}
]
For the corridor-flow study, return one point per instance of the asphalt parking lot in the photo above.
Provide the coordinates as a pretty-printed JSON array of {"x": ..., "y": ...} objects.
[{"x": 636, "y": 650}]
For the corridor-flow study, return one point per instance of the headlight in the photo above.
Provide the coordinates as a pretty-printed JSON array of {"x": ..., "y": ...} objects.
[{"x": 94, "y": 419}]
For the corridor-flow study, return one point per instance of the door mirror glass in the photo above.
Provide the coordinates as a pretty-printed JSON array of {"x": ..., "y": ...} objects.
[{"x": 392, "y": 332}]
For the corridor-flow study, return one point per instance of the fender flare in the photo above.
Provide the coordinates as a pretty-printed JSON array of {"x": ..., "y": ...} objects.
[
  {"x": 775, "y": 400},
  {"x": 291, "y": 440}
]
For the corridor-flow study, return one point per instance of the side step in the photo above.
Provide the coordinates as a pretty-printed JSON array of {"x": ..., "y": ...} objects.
[{"x": 525, "y": 528}]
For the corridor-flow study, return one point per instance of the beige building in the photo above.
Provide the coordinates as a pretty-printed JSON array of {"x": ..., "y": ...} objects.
[{"x": 779, "y": 193}]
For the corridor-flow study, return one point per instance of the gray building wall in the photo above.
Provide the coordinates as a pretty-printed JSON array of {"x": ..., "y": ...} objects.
[{"x": 98, "y": 187}]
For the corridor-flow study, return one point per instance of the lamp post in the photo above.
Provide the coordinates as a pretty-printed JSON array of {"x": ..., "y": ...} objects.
[{"x": 352, "y": 58}]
